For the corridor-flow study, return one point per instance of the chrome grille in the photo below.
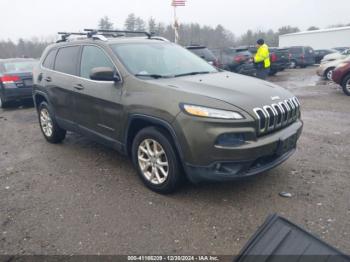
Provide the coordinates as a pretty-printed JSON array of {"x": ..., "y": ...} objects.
[{"x": 278, "y": 115}]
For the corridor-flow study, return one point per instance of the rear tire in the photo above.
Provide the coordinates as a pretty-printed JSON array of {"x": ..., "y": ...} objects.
[
  {"x": 156, "y": 160},
  {"x": 293, "y": 64},
  {"x": 3, "y": 104},
  {"x": 346, "y": 85},
  {"x": 48, "y": 125}
]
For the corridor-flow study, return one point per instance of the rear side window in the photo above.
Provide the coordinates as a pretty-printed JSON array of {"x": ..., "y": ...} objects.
[
  {"x": 67, "y": 60},
  {"x": 93, "y": 57},
  {"x": 296, "y": 50},
  {"x": 50, "y": 60}
]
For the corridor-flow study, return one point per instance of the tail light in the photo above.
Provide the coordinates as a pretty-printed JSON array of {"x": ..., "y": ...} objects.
[
  {"x": 239, "y": 58},
  {"x": 290, "y": 56},
  {"x": 302, "y": 57},
  {"x": 273, "y": 57},
  {"x": 6, "y": 79}
]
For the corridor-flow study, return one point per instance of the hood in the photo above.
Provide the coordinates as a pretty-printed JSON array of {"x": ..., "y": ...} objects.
[
  {"x": 238, "y": 90},
  {"x": 333, "y": 56}
]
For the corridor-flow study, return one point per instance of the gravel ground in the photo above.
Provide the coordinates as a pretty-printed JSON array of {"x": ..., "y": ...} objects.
[{"x": 83, "y": 198}]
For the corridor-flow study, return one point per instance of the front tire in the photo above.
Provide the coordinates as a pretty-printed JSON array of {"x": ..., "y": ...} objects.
[
  {"x": 329, "y": 73},
  {"x": 50, "y": 129},
  {"x": 156, "y": 160},
  {"x": 346, "y": 85}
]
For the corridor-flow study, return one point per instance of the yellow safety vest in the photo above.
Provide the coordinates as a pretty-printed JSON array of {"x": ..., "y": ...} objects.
[{"x": 263, "y": 55}]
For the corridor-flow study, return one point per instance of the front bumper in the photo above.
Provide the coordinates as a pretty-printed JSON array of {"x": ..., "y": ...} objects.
[{"x": 204, "y": 160}]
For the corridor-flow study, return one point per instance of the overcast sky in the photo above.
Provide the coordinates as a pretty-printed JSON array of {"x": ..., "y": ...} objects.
[{"x": 42, "y": 18}]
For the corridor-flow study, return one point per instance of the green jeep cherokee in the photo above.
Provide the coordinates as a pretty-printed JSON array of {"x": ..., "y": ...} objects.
[{"x": 174, "y": 114}]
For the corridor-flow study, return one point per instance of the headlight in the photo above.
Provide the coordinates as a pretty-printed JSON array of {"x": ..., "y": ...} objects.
[{"x": 211, "y": 112}]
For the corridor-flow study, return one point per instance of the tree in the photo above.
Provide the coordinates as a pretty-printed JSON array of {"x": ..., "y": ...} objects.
[
  {"x": 105, "y": 23},
  {"x": 287, "y": 30},
  {"x": 140, "y": 24},
  {"x": 152, "y": 25},
  {"x": 313, "y": 28},
  {"x": 130, "y": 22}
]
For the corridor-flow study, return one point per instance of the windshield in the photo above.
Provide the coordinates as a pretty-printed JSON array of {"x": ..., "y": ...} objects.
[
  {"x": 19, "y": 66},
  {"x": 160, "y": 59}
]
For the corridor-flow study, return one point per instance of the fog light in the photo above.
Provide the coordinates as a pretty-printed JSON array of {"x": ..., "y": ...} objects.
[{"x": 230, "y": 140}]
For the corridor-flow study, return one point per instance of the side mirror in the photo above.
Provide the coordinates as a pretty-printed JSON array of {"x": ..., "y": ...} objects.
[{"x": 104, "y": 74}]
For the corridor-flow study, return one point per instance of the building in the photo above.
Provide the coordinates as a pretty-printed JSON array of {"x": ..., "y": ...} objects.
[{"x": 318, "y": 39}]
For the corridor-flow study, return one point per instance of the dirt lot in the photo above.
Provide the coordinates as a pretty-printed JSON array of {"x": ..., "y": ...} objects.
[{"x": 83, "y": 198}]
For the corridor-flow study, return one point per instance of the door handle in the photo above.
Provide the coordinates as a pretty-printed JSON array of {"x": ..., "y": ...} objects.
[
  {"x": 48, "y": 79},
  {"x": 79, "y": 87}
]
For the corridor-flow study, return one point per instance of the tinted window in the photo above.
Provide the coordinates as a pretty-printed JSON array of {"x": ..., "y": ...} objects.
[
  {"x": 67, "y": 60},
  {"x": 50, "y": 59},
  {"x": 93, "y": 57},
  {"x": 295, "y": 50}
]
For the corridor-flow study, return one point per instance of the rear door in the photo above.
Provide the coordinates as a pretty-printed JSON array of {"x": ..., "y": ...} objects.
[
  {"x": 58, "y": 81},
  {"x": 98, "y": 103},
  {"x": 309, "y": 55}
]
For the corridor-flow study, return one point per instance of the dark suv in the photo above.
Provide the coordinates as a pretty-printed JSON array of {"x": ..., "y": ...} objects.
[
  {"x": 173, "y": 113},
  {"x": 205, "y": 53},
  {"x": 237, "y": 60},
  {"x": 302, "y": 56}
]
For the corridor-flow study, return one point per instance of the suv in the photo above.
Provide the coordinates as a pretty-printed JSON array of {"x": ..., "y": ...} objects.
[
  {"x": 205, "y": 53},
  {"x": 173, "y": 113},
  {"x": 238, "y": 60},
  {"x": 15, "y": 79},
  {"x": 302, "y": 56}
]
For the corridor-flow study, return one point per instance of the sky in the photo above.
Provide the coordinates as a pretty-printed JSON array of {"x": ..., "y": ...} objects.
[{"x": 44, "y": 18}]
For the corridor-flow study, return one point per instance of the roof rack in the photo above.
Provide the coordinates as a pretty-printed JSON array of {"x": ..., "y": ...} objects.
[{"x": 148, "y": 34}]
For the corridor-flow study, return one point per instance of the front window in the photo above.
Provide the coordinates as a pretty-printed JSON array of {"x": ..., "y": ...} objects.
[{"x": 160, "y": 60}]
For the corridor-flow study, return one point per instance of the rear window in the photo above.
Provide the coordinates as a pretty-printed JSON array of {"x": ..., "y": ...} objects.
[
  {"x": 50, "y": 59},
  {"x": 296, "y": 50},
  {"x": 204, "y": 53},
  {"x": 19, "y": 66},
  {"x": 67, "y": 60}
]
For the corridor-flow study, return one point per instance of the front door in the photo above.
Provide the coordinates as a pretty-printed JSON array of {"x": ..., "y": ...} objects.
[{"x": 98, "y": 103}]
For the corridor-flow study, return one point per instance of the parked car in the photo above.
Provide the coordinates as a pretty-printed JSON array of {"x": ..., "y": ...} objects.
[
  {"x": 321, "y": 53},
  {"x": 341, "y": 76},
  {"x": 325, "y": 70},
  {"x": 237, "y": 60},
  {"x": 302, "y": 56},
  {"x": 341, "y": 49},
  {"x": 16, "y": 80},
  {"x": 205, "y": 53},
  {"x": 336, "y": 56},
  {"x": 173, "y": 113}
]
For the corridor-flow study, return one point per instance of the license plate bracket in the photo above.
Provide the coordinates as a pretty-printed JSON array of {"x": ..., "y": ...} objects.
[{"x": 287, "y": 144}]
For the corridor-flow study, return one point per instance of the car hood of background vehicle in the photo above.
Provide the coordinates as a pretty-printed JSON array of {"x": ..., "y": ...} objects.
[
  {"x": 238, "y": 90},
  {"x": 333, "y": 56}
]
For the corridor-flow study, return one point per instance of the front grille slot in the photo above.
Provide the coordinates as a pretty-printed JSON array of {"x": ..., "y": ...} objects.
[{"x": 276, "y": 116}]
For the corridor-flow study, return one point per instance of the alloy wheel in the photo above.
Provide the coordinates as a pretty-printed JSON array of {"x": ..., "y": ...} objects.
[
  {"x": 347, "y": 84},
  {"x": 46, "y": 122},
  {"x": 329, "y": 74},
  {"x": 153, "y": 161}
]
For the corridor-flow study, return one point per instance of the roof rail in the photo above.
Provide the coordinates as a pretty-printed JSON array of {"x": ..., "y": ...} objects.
[
  {"x": 148, "y": 34},
  {"x": 92, "y": 34}
]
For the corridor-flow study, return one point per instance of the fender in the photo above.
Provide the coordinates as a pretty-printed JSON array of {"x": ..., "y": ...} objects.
[{"x": 156, "y": 121}]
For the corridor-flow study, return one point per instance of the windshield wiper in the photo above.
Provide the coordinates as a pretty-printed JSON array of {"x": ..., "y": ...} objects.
[
  {"x": 193, "y": 73},
  {"x": 155, "y": 76}
]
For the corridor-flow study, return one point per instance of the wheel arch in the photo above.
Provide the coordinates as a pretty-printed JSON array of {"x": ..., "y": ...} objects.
[
  {"x": 138, "y": 122},
  {"x": 39, "y": 97}
]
